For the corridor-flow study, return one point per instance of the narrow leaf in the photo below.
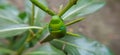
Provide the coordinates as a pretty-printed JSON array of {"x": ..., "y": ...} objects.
[
  {"x": 8, "y": 14},
  {"x": 83, "y": 7},
  {"x": 12, "y": 30}
]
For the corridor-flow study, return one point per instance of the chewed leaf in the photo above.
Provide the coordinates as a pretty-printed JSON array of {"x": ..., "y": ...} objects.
[
  {"x": 45, "y": 49},
  {"x": 83, "y": 7},
  {"x": 81, "y": 46}
]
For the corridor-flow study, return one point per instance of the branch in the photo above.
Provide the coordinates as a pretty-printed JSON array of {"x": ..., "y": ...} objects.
[
  {"x": 69, "y": 5},
  {"x": 41, "y": 6},
  {"x": 74, "y": 21}
]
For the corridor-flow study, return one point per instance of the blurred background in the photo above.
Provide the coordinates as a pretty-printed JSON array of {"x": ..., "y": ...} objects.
[{"x": 102, "y": 25}]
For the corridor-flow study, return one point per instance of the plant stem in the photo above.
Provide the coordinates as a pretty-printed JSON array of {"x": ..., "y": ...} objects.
[
  {"x": 74, "y": 21},
  {"x": 37, "y": 34},
  {"x": 44, "y": 8},
  {"x": 69, "y": 5},
  {"x": 32, "y": 21},
  {"x": 28, "y": 39},
  {"x": 73, "y": 34},
  {"x": 31, "y": 33},
  {"x": 33, "y": 15},
  {"x": 40, "y": 31},
  {"x": 21, "y": 48}
]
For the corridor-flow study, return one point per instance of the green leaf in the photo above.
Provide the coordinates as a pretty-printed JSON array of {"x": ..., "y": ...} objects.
[
  {"x": 3, "y": 1},
  {"x": 6, "y": 51},
  {"x": 12, "y": 30},
  {"x": 83, "y": 7},
  {"x": 39, "y": 14},
  {"x": 45, "y": 49},
  {"x": 22, "y": 15},
  {"x": 42, "y": 34},
  {"x": 9, "y": 14},
  {"x": 4, "y": 20},
  {"x": 81, "y": 46},
  {"x": 18, "y": 43}
]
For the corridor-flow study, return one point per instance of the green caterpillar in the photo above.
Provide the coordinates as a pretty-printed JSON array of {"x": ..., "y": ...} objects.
[{"x": 57, "y": 28}]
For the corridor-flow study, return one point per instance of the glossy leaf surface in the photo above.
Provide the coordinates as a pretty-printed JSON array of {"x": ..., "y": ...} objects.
[
  {"x": 83, "y": 7},
  {"x": 81, "y": 46},
  {"x": 45, "y": 49},
  {"x": 12, "y": 30}
]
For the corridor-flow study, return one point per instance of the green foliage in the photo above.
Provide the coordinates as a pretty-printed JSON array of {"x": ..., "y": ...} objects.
[
  {"x": 6, "y": 51},
  {"x": 45, "y": 49},
  {"x": 39, "y": 14},
  {"x": 10, "y": 23},
  {"x": 81, "y": 46},
  {"x": 83, "y": 7},
  {"x": 21, "y": 36}
]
